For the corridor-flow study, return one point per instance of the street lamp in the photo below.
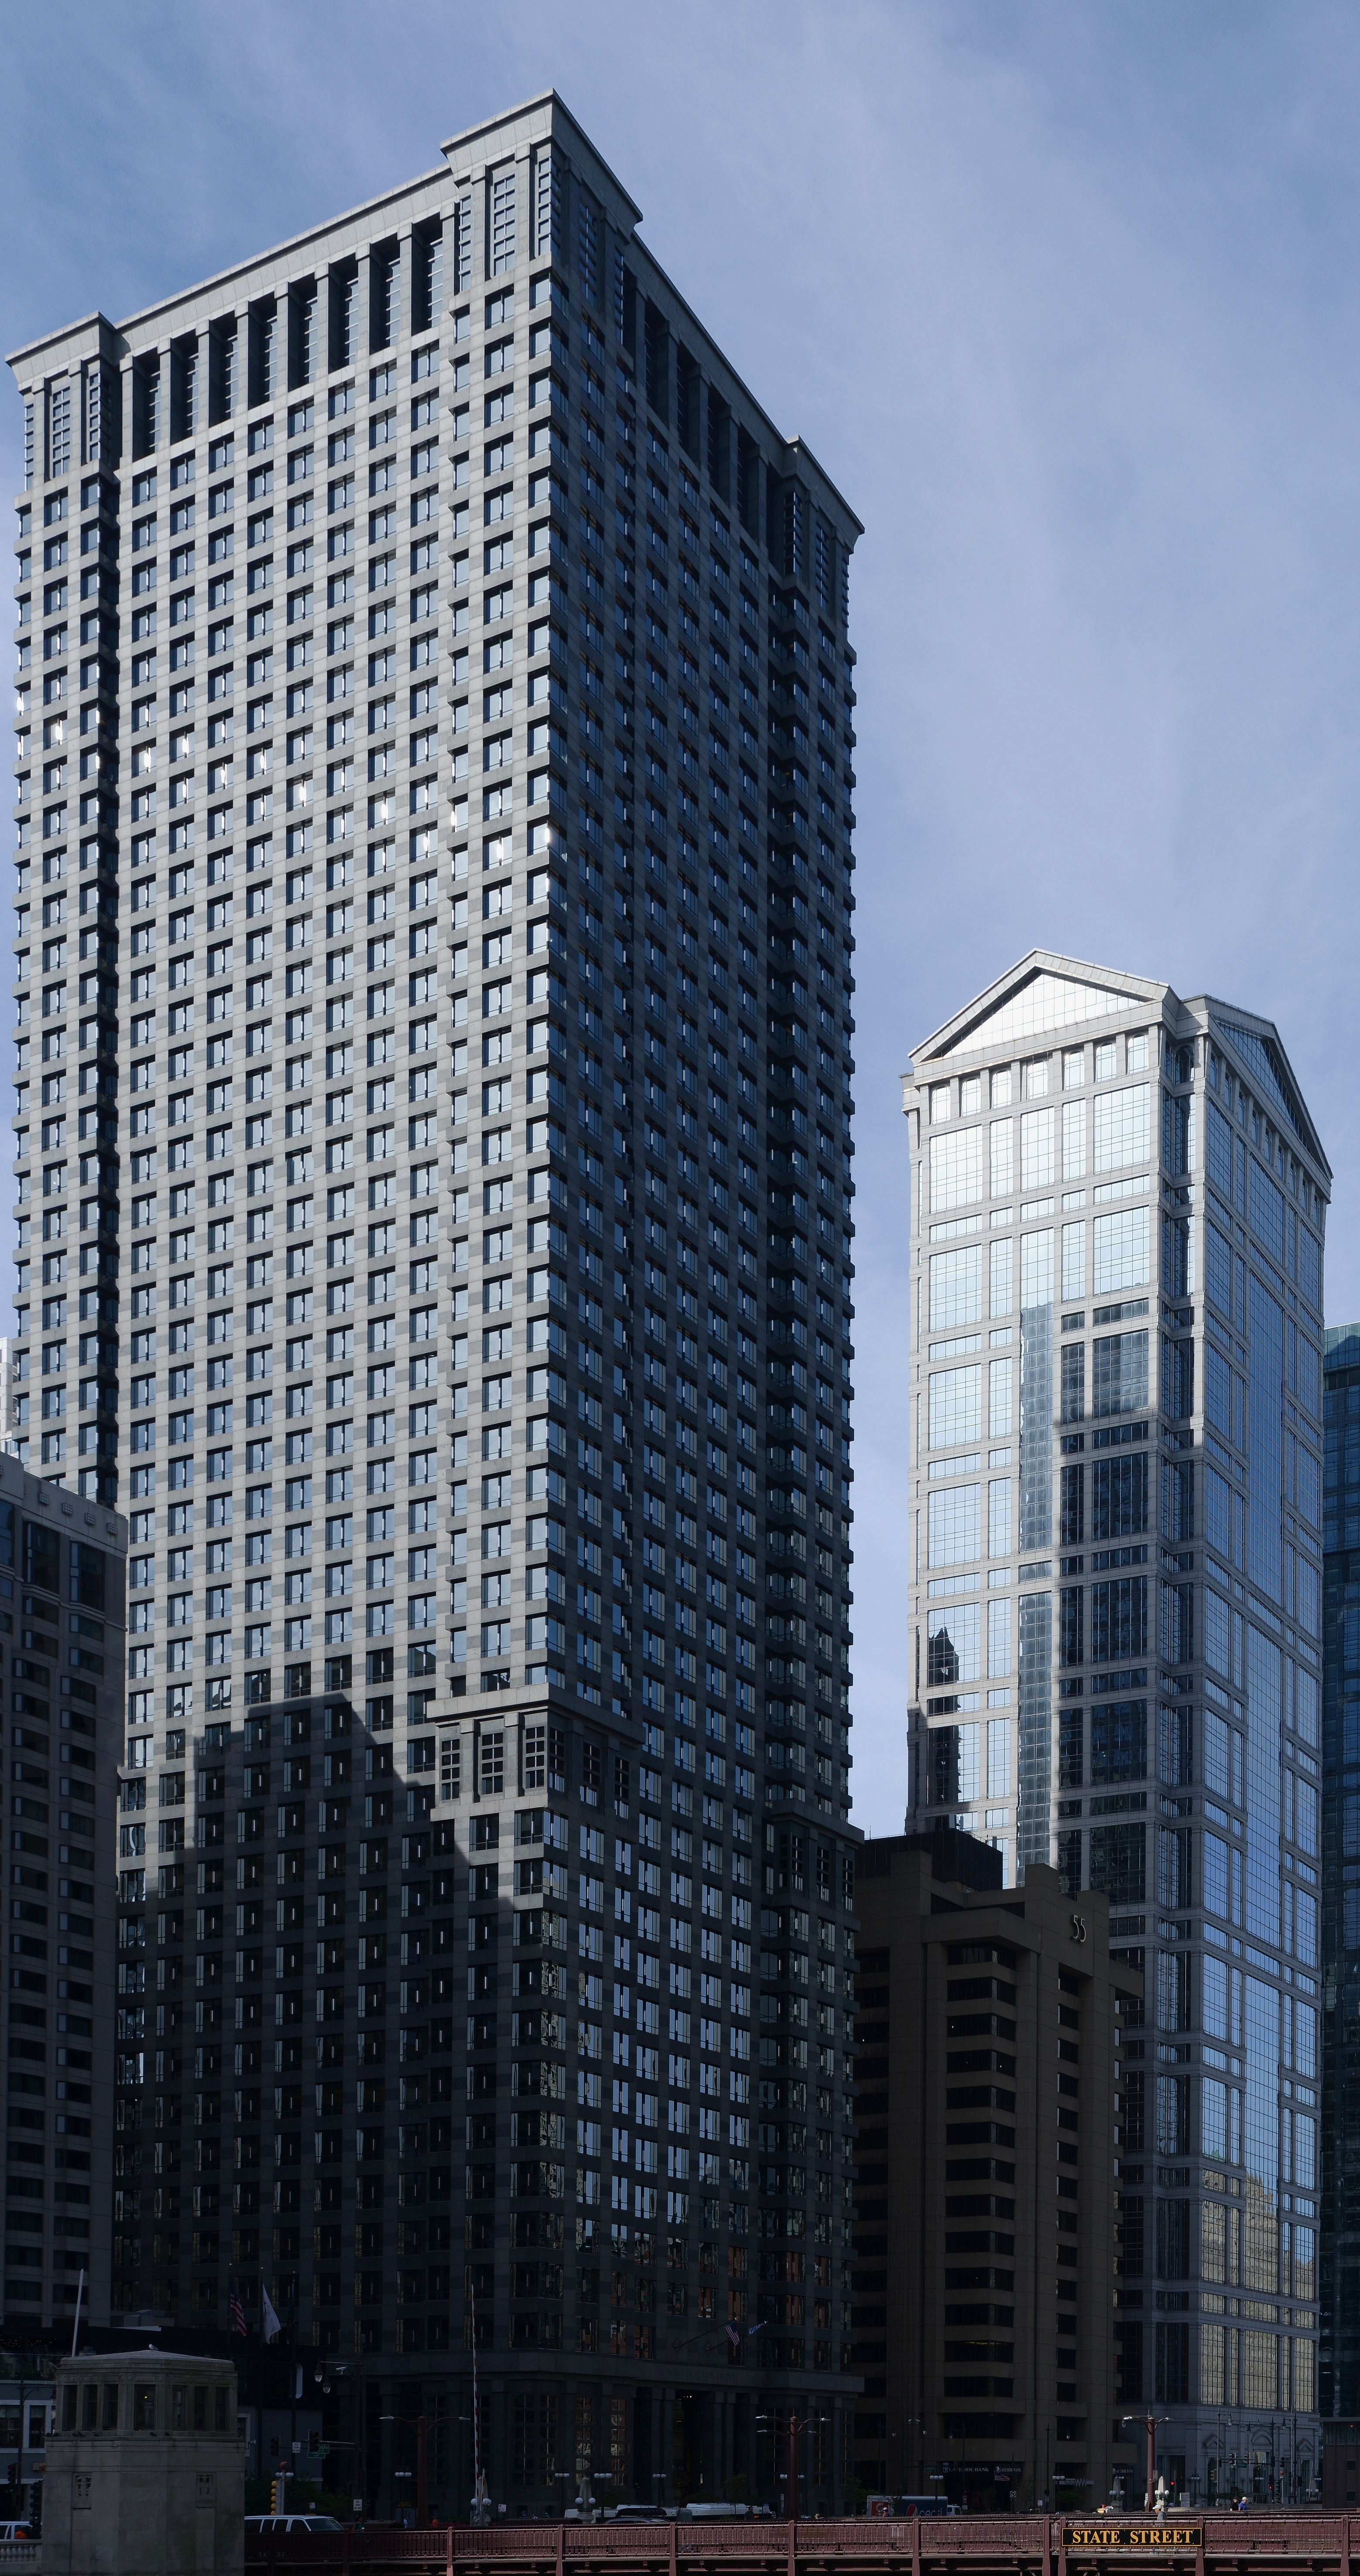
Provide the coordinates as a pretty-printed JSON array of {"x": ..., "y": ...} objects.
[{"x": 1151, "y": 2423}]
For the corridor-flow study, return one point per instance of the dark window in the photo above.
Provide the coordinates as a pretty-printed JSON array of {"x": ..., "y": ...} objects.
[
  {"x": 1119, "y": 1862},
  {"x": 1119, "y": 1497},
  {"x": 41, "y": 1552},
  {"x": 1073, "y": 1382},
  {"x": 1070, "y": 1724},
  {"x": 1119, "y": 1374},
  {"x": 1072, "y": 1525},
  {"x": 87, "y": 1575},
  {"x": 1119, "y": 1740},
  {"x": 1173, "y": 2364},
  {"x": 1129, "y": 2363},
  {"x": 1119, "y": 1618},
  {"x": 942, "y": 1661},
  {"x": 1173, "y": 2240}
]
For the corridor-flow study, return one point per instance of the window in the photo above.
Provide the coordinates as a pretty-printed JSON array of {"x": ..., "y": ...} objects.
[
  {"x": 1119, "y": 1740},
  {"x": 1073, "y": 1382},
  {"x": 955, "y": 1406},
  {"x": 955, "y": 1525},
  {"x": 1122, "y": 1127},
  {"x": 502, "y": 225},
  {"x": 1119, "y": 1862},
  {"x": 1119, "y": 1619},
  {"x": 1120, "y": 1251},
  {"x": 956, "y": 1168},
  {"x": 1036, "y": 1149},
  {"x": 956, "y": 1286},
  {"x": 954, "y": 1648},
  {"x": 1119, "y": 1374}
]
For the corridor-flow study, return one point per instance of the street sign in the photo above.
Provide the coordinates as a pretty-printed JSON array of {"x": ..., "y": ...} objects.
[{"x": 1133, "y": 2535}]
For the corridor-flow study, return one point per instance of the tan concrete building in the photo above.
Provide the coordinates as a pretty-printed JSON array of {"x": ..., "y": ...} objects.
[
  {"x": 988, "y": 2153},
  {"x": 145, "y": 2467}
]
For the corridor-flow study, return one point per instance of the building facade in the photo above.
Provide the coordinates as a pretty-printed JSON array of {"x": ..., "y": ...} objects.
[
  {"x": 434, "y": 984},
  {"x": 145, "y": 2466},
  {"x": 1340, "y": 2353},
  {"x": 62, "y": 1644},
  {"x": 989, "y": 2030},
  {"x": 1118, "y": 1210}
]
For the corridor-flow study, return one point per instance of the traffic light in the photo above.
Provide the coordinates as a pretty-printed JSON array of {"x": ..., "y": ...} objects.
[{"x": 273, "y": 2495}]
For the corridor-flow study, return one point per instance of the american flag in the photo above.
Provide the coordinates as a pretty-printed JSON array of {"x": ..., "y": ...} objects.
[{"x": 237, "y": 2312}]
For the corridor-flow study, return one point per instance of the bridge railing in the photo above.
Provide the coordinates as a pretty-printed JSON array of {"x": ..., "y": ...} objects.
[{"x": 1048, "y": 2543}]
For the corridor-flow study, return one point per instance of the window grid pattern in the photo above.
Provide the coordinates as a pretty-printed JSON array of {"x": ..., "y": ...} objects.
[{"x": 337, "y": 921}]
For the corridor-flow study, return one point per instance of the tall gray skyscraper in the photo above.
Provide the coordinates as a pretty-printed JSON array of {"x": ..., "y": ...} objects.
[
  {"x": 61, "y": 1653},
  {"x": 1118, "y": 1209},
  {"x": 434, "y": 975}
]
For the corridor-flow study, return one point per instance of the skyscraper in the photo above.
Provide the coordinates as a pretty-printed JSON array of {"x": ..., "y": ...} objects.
[
  {"x": 61, "y": 1654},
  {"x": 1118, "y": 1209},
  {"x": 434, "y": 965},
  {"x": 1340, "y": 2355}
]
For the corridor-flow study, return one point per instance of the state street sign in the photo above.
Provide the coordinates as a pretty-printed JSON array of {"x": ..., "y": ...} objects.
[{"x": 1133, "y": 2535}]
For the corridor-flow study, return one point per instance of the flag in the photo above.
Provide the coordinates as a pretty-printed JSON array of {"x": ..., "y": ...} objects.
[
  {"x": 734, "y": 2337},
  {"x": 236, "y": 2311},
  {"x": 272, "y": 2322}
]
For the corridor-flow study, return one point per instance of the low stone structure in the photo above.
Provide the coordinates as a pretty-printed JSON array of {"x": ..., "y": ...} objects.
[{"x": 145, "y": 2468}]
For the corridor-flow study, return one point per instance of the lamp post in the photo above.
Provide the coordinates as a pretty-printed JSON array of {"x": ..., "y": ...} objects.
[
  {"x": 1151, "y": 2423},
  {"x": 392, "y": 2472}
]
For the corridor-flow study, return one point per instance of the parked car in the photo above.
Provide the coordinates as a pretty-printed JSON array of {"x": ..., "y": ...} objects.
[
  {"x": 636, "y": 2513},
  {"x": 286, "y": 2524}
]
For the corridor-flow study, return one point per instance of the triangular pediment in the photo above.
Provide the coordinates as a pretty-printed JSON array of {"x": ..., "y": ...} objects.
[
  {"x": 1264, "y": 1064},
  {"x": 1037, "y": 1007}
]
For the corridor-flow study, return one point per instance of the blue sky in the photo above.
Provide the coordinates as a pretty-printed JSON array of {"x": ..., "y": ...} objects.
[{"x": 1065, "y": 299}]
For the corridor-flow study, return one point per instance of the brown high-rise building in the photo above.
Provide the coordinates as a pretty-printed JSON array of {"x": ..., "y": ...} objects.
[{"x": 985, "y": 2255}]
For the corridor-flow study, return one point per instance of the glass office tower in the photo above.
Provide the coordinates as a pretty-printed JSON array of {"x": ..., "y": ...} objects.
[
  {"x": 1340, "y": 2355},
  {"x": 1115, "y": 1526},
  {"x": 434, "y": 991}
]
